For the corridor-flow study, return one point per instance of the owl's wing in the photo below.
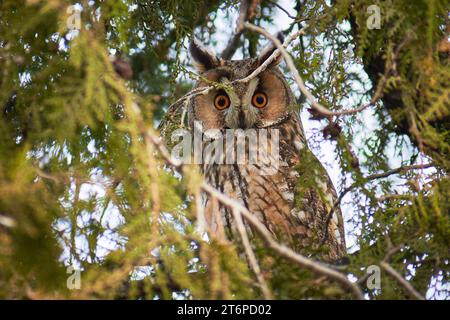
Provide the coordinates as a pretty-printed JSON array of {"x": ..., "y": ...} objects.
[{"x": 315, "y": 197}]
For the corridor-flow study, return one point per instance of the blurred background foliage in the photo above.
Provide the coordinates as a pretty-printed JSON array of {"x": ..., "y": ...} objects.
[{"x": 80, "y": 185}]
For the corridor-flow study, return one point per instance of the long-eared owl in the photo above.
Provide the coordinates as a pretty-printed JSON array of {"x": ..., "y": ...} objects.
[{"x": 294, "y": 200}]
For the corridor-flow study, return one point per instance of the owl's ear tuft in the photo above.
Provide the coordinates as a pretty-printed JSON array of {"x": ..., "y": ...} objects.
[
  {"x": 204, "y": 59},
  {"x": 269, "y": 49}
]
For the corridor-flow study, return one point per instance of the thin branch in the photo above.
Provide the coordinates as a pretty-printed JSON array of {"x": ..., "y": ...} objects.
[
  {"x": 392, "y": 249},
  {"x": 273, "y": 56},
  {"x": 231, "y": 47},
  {"x": 191, "y": 94},
  {"x": 282, "y": 250},
  {"x": 401, "y": 281},
  {"x": 244, "y": 14},
  {"x": 371, "y": 177},
  {"x": 397, "y": 170},
  {"x": 393, "y": 273},
  {"x": 300, "y": 83},
  {"x": 394, "y": 196},
  {"x": 378, "y": 176},
  {"x": 255, "y": 73},
  {"x": 250, "y": 254},
  {"x": 283, "y": 9}
]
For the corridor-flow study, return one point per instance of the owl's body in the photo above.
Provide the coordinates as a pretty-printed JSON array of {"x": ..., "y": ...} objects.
[{"x": 284, "y": 200}]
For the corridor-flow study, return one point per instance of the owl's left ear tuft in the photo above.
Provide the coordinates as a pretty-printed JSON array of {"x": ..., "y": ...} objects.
[
  {"x": 204, "y": 59},
  {"x": 269, "y": 49}
]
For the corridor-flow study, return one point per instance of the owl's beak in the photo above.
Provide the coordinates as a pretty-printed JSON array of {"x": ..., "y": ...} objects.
[{"x": 241, "y": 119}]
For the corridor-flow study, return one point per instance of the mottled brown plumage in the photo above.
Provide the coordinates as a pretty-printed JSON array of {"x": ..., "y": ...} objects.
[{"x": 292, "y": 207}]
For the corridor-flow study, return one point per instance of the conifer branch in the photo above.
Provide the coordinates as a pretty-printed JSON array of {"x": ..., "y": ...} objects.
[{"x": 319, "y": 108}]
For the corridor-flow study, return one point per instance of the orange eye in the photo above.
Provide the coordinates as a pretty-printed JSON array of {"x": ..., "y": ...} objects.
[
  {"x": 259, "y": 100},
  {"x": 221, "y": 101}
]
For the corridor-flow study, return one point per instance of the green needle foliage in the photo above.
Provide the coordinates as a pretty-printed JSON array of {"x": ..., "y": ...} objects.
[{"x": 82, "y": 185}]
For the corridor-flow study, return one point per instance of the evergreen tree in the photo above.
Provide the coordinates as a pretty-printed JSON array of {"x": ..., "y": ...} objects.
[{"x": 85, "y": 181}]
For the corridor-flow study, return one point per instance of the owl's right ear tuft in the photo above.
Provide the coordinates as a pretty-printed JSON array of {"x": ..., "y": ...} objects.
[{"x": 203, "y": 58}]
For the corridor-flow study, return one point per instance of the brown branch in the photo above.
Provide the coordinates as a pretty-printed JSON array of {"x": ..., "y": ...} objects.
[
  {"x": 283, "y": 9},
  {"x": 231, "y": 47},
  {"x": 380, "y": 176},
  {"x": 301, "y": 85},
  {"x": 282, "y": 250},
  {"x": 273, "y": 56},
  {"x": 387, "y": 197},
  {"x": 246, "y": 12},
  {"x": 255, "y": 73},
  {"x": 371, "y": 177},
  {"x": 397, "y": 170},
  {"x": 250, "y": 254},
  {"x": 401, "y": 281},
  {"x": 394, "y": 274}
]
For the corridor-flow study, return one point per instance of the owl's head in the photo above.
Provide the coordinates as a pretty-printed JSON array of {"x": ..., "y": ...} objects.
[{"x": 262, "y": 102}]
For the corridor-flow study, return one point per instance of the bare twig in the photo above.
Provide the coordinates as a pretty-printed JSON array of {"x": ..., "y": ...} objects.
[
  {"x": 283, "y": 9},
  {"x": 250, "y": 254},
  {"x": 243, "y": 12},
  {"x": 397, "y": 170},
  {"x": 273, "y": 56},
  {"x": 394, "y": 196},
  {"x": 378, "y": 176},
  {"x": 282, "y": 250},
  {"x": 246, "y": 12},
  {"x": 394, "y": 274},
  {"x": 401, "y": 281},
  {"x": 298, "y": 79},
  {"x": 255, "y": 73},
  {"x": 191, "y": 94},
  {"x": 371, "y": 177},
  {"x": 392, "y": 249}
]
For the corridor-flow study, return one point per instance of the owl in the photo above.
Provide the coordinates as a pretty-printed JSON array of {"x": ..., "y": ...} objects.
[{"x": 294, "y": 200}]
